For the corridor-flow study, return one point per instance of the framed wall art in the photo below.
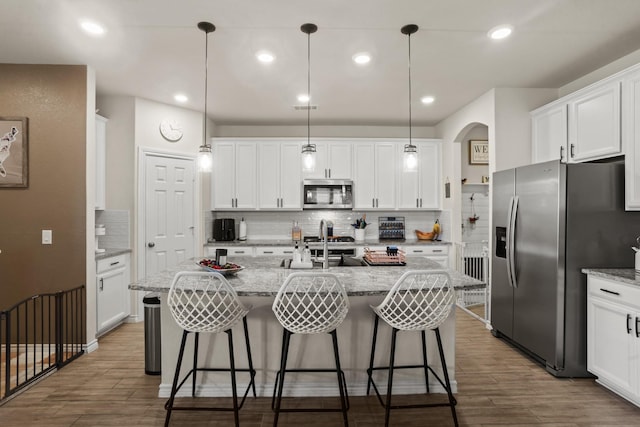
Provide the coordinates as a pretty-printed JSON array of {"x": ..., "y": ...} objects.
[
  {"x": 14, "y": 152},
  {"x": 478, "y": 152}
]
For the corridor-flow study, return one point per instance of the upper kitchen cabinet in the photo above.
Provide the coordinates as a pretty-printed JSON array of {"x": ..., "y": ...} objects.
[
  {"x": 549, "y": 133},
  {"x": 101, "y": 161},
  {"x": 594, "y": 123},
  {"x": 580, "y": 127},
  {"x": 333, "y": 160},
  {"x": 375, "y": 166},
  {"x": 234, "y": 175},
  {"x": 279, "y": 175},
  {"x": 631, "y": 138},
  {"x": 420, "y": 189}
]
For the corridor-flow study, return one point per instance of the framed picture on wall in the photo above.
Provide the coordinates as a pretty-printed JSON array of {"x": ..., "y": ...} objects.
[
  {"x": 14, "y": 160},
  {"x": 478, "y": 152}
]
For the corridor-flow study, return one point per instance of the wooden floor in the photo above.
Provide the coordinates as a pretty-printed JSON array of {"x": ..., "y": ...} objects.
[{"x": 497, "y": 386}]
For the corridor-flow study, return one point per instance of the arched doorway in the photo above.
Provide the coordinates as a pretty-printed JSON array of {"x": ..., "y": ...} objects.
[{"x": 475, "y": 205}]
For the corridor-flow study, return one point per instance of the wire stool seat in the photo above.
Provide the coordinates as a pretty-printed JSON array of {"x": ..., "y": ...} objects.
[
  {"x": 202, "y": 301},
  {"x": 310, "y": 303},
  {"x": 420, "y": 300}
]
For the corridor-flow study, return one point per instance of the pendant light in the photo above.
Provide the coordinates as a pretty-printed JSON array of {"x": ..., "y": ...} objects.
[
  {"x": 309, "y": 150},
  {"x": 205, "y": 157},
  {"x": 410, "y": 150}
]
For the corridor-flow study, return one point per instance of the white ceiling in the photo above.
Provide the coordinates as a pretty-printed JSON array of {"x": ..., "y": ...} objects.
[{"x": 153, "y": 49}]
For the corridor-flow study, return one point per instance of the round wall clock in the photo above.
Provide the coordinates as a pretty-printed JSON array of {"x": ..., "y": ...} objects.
[{"x": 171, "y": 130}]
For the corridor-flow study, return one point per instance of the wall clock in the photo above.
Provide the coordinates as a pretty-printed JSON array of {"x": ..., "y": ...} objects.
[{"x": 171, "y": 130}]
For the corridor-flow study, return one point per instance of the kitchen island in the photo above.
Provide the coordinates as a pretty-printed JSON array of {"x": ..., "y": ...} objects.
[{"x": 257, "y": 286}]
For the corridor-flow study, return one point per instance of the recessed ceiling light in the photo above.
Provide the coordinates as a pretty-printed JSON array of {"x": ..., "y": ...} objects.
[
  {"x": 179, "y": 97},
  {"x": 500, "y": 32},
  {"x": 265, "y": 57},
  {"x": 303, "y": 97},
  {"x": 361, "y": 58},
  {"x": 92, "y": 28},
  {"x": 427, "y": 99}
]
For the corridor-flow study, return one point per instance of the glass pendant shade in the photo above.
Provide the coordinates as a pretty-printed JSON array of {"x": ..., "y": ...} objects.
[
  {"x": 205, "y": 159},
  {"x": 308, "y": 158},
  {"x": 410, "y": 158}
]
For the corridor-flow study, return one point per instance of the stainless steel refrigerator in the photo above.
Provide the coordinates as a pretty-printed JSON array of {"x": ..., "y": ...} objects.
[{"x": 550, "y": 220}]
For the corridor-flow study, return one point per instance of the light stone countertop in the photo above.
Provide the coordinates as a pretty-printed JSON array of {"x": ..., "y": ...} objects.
[
  {"x": 625, "y": 275},
  {"x": 262, "y": 276},
  {"x": 111, "y": 252}
]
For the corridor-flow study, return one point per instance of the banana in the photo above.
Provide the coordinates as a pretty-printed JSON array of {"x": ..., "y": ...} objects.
[{"x": 436, "y": 229}]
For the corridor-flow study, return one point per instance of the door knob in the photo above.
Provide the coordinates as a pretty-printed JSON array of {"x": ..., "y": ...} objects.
[{"x": 151, "y": 244}]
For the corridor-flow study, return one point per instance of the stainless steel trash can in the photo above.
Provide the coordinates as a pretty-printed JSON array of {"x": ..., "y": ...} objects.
[{"x": 152, "y": 350}]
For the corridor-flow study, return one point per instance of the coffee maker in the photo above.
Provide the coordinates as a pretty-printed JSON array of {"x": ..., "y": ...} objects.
[{"x": 224, "y": 229}]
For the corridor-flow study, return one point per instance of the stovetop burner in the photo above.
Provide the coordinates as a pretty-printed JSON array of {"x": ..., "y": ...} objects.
[{"x": 347, "y": 239}]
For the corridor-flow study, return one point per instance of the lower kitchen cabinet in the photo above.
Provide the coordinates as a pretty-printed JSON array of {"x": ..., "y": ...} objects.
[
  {"x": 112, "y": 293},
  {"x": 232, "y": 251},
  {"x": 613, "y": 336}
]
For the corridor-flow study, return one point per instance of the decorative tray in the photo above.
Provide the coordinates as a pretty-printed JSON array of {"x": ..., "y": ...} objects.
[
  {"x": 389, "y": 257},
  {"x": 227, "y": 270}
]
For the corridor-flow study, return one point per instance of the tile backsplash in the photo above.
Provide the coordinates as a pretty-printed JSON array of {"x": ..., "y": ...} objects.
[
  {"x": 116, "y": 225},
  {"x": 277, "y": 225}
]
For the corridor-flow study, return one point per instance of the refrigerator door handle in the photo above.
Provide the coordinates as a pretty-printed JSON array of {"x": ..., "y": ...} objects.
[
  {"x": 511, "y": 242},
  {"x": 508, "y": 242}
]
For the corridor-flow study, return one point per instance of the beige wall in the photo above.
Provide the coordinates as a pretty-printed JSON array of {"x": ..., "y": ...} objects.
[{"x": 54, "y": 98}]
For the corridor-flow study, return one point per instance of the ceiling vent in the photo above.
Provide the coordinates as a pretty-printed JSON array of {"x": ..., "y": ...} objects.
[{"x": 305, "y": 107}]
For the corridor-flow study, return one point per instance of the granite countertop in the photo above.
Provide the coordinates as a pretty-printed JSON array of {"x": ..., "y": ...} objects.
[
  {"x": 108, "y": 253},
  {"x": 625, "y": 275},
  {"x": 262, "y": 276},
  {"x": 289, "y": 242}
]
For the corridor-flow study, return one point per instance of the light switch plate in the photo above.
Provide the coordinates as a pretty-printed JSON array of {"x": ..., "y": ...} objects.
[{"x": 47, "y": 237}]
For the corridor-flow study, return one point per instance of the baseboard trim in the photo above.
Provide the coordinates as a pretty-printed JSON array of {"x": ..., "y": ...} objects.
[{"x": 91, "y": 346}]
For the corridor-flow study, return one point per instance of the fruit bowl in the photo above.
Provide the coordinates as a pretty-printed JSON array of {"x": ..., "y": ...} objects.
[{"x": 227, "y": 269}]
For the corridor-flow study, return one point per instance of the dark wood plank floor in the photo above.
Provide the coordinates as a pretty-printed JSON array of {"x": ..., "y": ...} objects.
[{"x": 497, "y": 387}]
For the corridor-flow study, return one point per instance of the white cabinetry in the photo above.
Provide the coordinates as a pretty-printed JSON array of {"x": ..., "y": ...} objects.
[
  {"x": 232, "y": 251},
  {"x": 580, "y": 127},
  {"x": 375, "y": 168},
  {"x": 333, "y": 160},
  {"x": 594, "y": 123},
  {"x": 420, "y": 189},
  {"x": 276, "y": 250},
  {"x": 101, "y": 161},
  {"x": 437, "y": 253},
  {"x": 613, "y": 336},
  {"x": 112, "y": 294},
  {"x": 279, "y": 175},
  {"x": 631, "y": 138},
  {"x": 549, "y": 133},
  {"x": 234, "y": 175}
]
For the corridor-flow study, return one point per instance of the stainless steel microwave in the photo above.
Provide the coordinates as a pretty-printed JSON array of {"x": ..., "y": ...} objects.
[{"x": 327, "y": 194}]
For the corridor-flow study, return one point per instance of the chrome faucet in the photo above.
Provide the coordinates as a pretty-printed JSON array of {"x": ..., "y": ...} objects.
[{"x": 325, "y": 245}]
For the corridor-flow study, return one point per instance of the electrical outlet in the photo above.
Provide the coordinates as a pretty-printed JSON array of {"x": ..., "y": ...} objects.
[{"x": 47, "y": 237}]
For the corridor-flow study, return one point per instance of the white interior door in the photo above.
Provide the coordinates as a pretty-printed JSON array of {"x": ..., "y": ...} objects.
[{"x": 169, "y": 211}]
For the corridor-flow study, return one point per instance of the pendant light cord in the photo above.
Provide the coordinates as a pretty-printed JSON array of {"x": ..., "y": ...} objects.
[
  {"x": 409, "y": 89},
  {"x": 206, "y": 85},
  {"x": 308, "y": 88}
]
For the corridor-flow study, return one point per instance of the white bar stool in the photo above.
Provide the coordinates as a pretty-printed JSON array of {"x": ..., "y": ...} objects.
[
  {"x": 201, "y": 301},
  {"x": 310, "y": 303},
  {"x": 418, "y": 301}
]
